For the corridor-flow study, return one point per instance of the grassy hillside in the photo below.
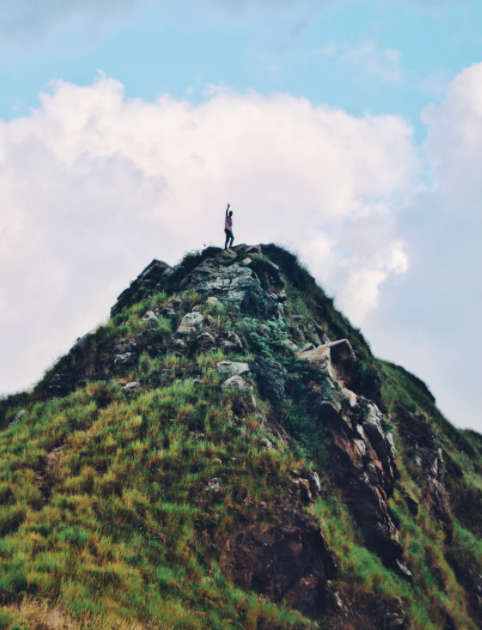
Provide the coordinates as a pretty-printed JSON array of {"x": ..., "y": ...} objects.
[{"x": 139, "y": 490}]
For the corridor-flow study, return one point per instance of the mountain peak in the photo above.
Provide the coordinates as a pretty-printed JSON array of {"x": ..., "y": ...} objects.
[{"x": 229, "y": 442}]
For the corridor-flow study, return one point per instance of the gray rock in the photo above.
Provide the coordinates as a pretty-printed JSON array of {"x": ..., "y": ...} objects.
[
  {"x": 228, "y": 254},
  {"x": 266, "y": 443},
  {"x": 234, "y": 284},
  {"x": 178, "y": 346},
  {"x": 123, "y": 359},
  {"x": 128, "y": 387},
  {"x": 237, "y": 383},
  {"x": 391, "y": 443},
  {"x": 149, "y": 316},
  {"x": 151, "y": 280},
  {"x": 214, "y": 485},
  {"x": 337, "y": 601},
  {"x": 271, "y": 377},
  {"x": 282, "y": 296},
  {"x": 18, "y": 416},
  {"x": 361, "y": 446},
  {"x": 213, "y": 300},
  {"x": 303, "y": 486},
  {"x": 315, "y": 483},
  {"x": 232, "y": 342},
  {"x": 403, "y": 570},
  {"x": 206, "y": 340},
  {"x": 231, "y": 368},
  {"x": 190, "y": 323},
  {"x": 169, "y": 313},
  {"x": 246, "y": 261}
]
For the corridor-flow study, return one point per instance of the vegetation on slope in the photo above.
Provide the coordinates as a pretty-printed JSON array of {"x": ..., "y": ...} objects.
[{"x": 118, "y": 504}]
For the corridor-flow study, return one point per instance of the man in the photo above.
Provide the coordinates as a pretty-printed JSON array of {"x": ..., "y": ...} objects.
[{"x": 228, "y": 228}]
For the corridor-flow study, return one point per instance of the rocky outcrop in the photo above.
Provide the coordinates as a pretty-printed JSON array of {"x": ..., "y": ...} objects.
[
  {"x": 365, "y": 467},
  {"x": 363, "y": 455},
  {"x": 271, "y": 377},
  {"x": 190, "y": 323},
  {"x": 336, "y": 358},
  {"x": 469, "y": 574},
  {"x": 231, "y": 368},
  {"x": 366, "y": 612},
  {"x": 427, "y": 462},
  {"x": 289, "y": 563},
  {"x": 234, "y": 284},
  {"x": 150, "y": 280}
]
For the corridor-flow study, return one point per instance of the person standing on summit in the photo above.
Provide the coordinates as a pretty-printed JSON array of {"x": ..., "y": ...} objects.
[{"x": 228, "y": 228}]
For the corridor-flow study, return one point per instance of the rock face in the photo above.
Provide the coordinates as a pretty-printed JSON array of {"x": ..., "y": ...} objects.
[
  {"x": 363, "y": 455},
  {"x": 289, "y": 563},
  {"x": 426, "y": 456},
  {"x": 237, "y": 285},
  {"x": 151, "y": 279}
]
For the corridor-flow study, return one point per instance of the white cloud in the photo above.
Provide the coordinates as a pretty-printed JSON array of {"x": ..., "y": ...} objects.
[
  {"x": 360, "y": 293},
  {"x": 455, "y": 140},
  {"x": 432, "y": 322},
  {"x": 92, "y": 186}
]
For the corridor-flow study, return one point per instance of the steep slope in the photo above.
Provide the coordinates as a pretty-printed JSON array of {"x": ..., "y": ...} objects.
[{"x": 226, "y": 452}]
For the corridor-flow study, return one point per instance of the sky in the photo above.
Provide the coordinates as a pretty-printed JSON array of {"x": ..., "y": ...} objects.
[{"x": 349, "y": 131}]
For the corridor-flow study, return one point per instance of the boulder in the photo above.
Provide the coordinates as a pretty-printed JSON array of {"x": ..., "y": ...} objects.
[
  {"x": 232, "y": 342},
  {"x": 243, "y": 401},
  {"x": 123, "y": 359},
  {"x": 271, "y": 377},
  {"x": 132, "y": 385},
  {"x": 230, "y": 368},
  {"x": 190, "y": 323},
  {"x": 206, "y": 341},
  {"x": 237, "y": 383},
  {"x": 336, "y": 357}
]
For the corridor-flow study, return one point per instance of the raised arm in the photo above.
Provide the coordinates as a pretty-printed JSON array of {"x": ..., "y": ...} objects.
[{"x": 227, "y": 209}]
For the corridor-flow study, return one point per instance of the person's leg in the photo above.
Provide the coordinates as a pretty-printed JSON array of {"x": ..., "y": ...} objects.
[
  {"x": 231, "y": 237},
  {"x": 227, "y": 239}
]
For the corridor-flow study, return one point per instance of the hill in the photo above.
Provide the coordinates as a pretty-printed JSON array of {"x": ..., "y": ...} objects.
[{"x": 226, "y": 452}]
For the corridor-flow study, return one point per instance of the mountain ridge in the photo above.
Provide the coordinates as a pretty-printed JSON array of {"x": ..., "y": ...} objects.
[{"x": 228, "y": 411}]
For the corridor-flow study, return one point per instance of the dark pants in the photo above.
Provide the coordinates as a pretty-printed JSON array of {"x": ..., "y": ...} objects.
[{"x": 229, "y": 239}]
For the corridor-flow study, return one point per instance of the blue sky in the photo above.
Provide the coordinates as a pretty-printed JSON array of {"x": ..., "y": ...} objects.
[
  {"x": 308, "y": 49},
  {"x": 347, "y": 130}
]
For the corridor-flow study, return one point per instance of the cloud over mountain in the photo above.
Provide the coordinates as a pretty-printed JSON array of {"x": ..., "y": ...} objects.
[{"x": 94, "y": 185}]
